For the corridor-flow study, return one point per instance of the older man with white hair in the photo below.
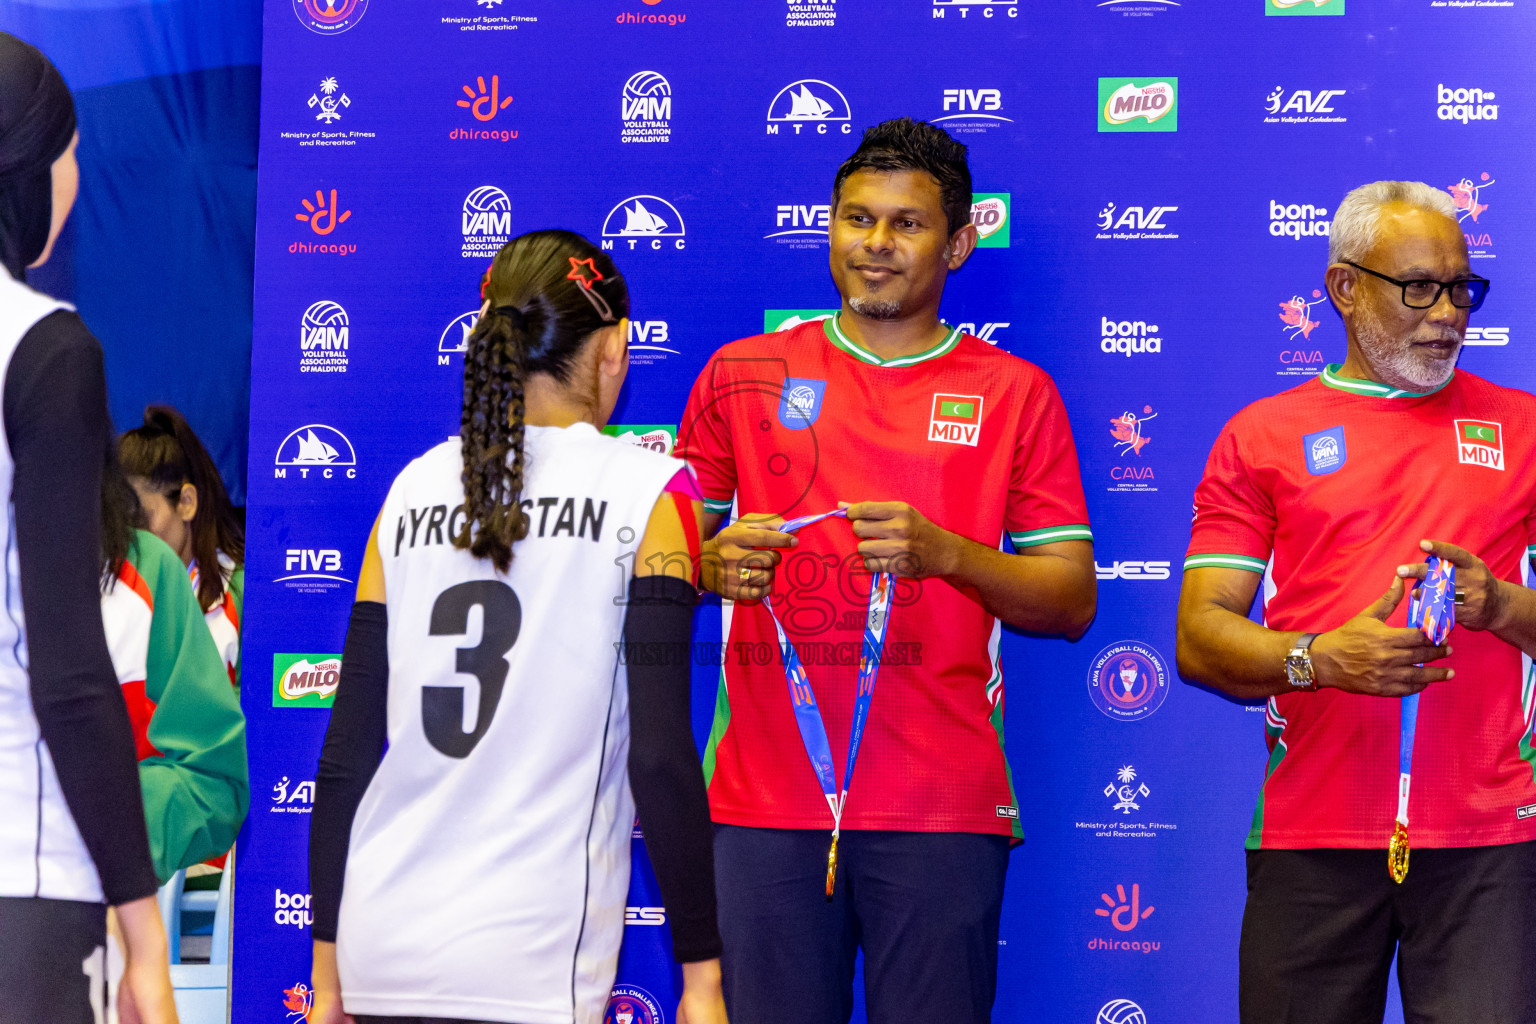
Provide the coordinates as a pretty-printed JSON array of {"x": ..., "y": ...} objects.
[{"x": 1325, "y": 493}]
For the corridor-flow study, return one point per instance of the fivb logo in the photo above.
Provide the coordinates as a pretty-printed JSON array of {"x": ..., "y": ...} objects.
[
  {"x": 292, "y": 908},
  {"x": 802, "y": 227},
  {"x": 646, "y": 108},
  {"x": 644, "y": 217},
  {"x": 1303, "y": 106},
  {"x": 324, "y": 333},
  {"x": 650, "y": 336},
  {"x": 318, "y": 449},
  {"x": 972, "y": 110},
  {"x": 810, "y": 101},
  {"x": 1465, "y": 105},
  {"x": 986, "y": 332},
  {"x": 987, "y": 8},
  {"x": 1129, "y": 337},
  {"x": 312, "y": 564},
  {"x": 487, "y": 222},
  {"x": 1297, "y": 220},
  {"x": 1138, "y": 105},
  {"x": 1144, "y": 222}
]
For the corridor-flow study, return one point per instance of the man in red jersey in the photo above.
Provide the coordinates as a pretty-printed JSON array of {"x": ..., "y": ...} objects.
[
  {"x": 1325, "y": 493},
  {"x": 940, "y": 445}
]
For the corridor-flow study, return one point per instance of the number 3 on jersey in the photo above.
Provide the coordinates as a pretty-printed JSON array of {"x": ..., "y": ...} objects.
[{"x": 442, "y": 707}]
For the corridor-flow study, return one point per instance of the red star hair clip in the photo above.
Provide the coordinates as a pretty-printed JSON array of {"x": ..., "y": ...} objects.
[
  {"x": 585, "y": 273},
  {"x": 485, "y": 283}
]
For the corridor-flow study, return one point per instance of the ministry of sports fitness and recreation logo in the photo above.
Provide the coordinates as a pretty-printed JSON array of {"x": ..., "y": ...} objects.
[
  {"x": 1128, "y": 681},
  {"x": 329, "y": 17},
  {"x": 1126, "y": 790},
  {"x": 1300, "y": 357},
  {"x": 645, "y": 108},
  {"x": 656, "y": 437},
  {"x": 328, "y": 101},
  {"x": 486, "y": 222},
  {"x": 323, "y": 216},
  {"x": 1298, "y": 220},
  {"x": 316, "y": 451},
  {"x": 640, "y": 219},
  {"x": 324, "y": 333},
  {"x": 810, "y": 101},
  {"x": 631, "y": 1004},
  {"x": 1138, "y": 104},
  {"x": 990, "y": 213},
  {"x": 801, "y": 227},
  {"x": 1303, "y": 106},
  {"x": 970, "y": 111},
  {"x": 1129, "y": 337},
  {"x": 1302, "y": 8},
  {"x": 810, "y": 13},
  {"x": 1128, "y": 434},
  {"x": 292, "y": 797},
  {"x": 305, "y": 680},
  {"x": 1468, "y": 194},
  {"x": 1465, "y": 105},
  {"x": 1136, "y": 223},
  {"x": 981, "y": 8},
  {"x": 775, "y": 320}
]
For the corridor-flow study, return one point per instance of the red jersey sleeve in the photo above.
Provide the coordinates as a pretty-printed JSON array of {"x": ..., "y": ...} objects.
[
  {"x": 704, "y": 440},
  {"x": 1234, "y": 524},
  {"x": 1045, "y": 488}
]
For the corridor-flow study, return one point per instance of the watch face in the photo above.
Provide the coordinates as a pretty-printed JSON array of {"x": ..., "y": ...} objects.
[{"x": 1298, "y": 669}]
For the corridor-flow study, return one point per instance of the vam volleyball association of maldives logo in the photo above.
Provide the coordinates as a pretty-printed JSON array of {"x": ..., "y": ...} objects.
[{"x": 329, "y": 17}]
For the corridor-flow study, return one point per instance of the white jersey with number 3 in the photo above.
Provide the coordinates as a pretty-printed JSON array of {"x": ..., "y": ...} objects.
[{"x": 489, "y": 858}]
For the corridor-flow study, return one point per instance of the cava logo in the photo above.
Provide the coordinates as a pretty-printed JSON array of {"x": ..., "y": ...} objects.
[
  {"x": 650, "y": 341},
  {"x": 329, "y": 17},
  {"x": 989, "y": 212},
  {"x": 986, "y": 332},
  {"x": 1134, "y": 571},
  {"x": 810, "y": 13},
  {"x": 981, "y": 8},
  {"x": 329, "y": 101},
  {"x": 806, "y": 102},
  {"x": 1129, "y": 431},
  {"x": 1129, "y": 337},
  {"x": 956, "y": 419},
  {"x": 1480, "y": 443},
  {"x": 323, "y": 336},
  {"x": 641, "y": 218},
  {"x": 1486, "y": 336},
  {"x": 646, "y": 108},
  {"x": 455, "y": 337},
  {"x": 1297, "y": 220},
  {"x": 1138, "y": 105},
  {"x": 801, "y": 227},
  {"x": 657, "y": 437},
  {"x": 1467, "y": 195},
  {"x": 1302, "y": 8},
  {"x": 775, "y": 320},
  {"x": 487, "y": 222},
  {"x": 316, "y": 451},
  {"x": 1465, "y": 105},
  {"x": 972, "y": 110},
  {"x": 1128, "y": 681},
  {"x": 1304, "y": 106},
  {"x": 1136, "y": 222},
  {"x": 305, "y": 680},
  {"x": 1128, "y": 434},
  {"x": 1297, "y": 325}
]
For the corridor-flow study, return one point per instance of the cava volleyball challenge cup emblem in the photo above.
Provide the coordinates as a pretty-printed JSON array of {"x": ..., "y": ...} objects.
[{"x": 1432, "y": 608}]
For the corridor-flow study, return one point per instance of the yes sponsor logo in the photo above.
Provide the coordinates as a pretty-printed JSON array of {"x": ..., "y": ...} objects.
[
  {"x": 1133, "y": 570},
  {"x": 1480, "y": 443},
  {"x": 1470, "y": 198},
  {"x": 1300, "y": 357},
  {"x": 657, "y": 437},
  {"x": 292, "y": 797},
  {"x": 1129, "y": 337},
  {"x": 305, "y": 680},
  {"x": 1303, "y": 106},
  {"x": 330, "y": 17},
  {"x": 1121, "y": 1011},
  {"x": 486, "y": 221},
  {"x": 631, "y": 1004},
  {"x": 800, "y": 227},
  {"x": 986, "y": 332},
  {"x": 1123, "y": 912},
  {"x": 963, "y": 9},
  {"x": 809, "y": 102},
  {"x": 455, "y": 337},
  {"x": 644, "y": 222},
  {"x": 645, "y": 108},
  {"x": 316, "y": 451},
  {"x": 810, "y": 13},
  {"x": 650, "y": 342},
  {"x": 1302, "y": 8},
  {"x": 1486, "y": 336},
  {"x": 324, "y": 334},
  {"x": 1465, "y": 105},
  {"x": 1136, "y": 223},
  {"x": 312, "y": 570},
  {"x": 485, "y": 103},
  {"x": 292, "y": 908},
  {"x": 1138, "y": 105},
  {"x": 956, "y": 419},
  {"x": 775, "y": 320},
  {"x": 298, "y": 1001},
  {"x": 1128, "y": 434},
  {"x": 648, "y": 916},
  {"x": 323, "y": 216},
  {"x": 1298, "y": 220},
  {"x": 1128, "y": 681},
  {"x": 969, "y": 111},
  {"x": 990, "y": 213}
]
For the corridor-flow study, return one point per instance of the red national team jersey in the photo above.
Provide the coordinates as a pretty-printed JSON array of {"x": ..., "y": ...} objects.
[
  {"x": 1326, "y": 489},
  {"x": 974, "y": 439}
]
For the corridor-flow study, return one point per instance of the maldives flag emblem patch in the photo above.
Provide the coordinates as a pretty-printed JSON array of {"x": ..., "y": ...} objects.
[
  {"x": 1480, "y": 443},
  {"x": 956, "y": 419}
]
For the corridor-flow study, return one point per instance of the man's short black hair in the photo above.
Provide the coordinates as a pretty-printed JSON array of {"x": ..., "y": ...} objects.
[{"x": 908, "y": 145}]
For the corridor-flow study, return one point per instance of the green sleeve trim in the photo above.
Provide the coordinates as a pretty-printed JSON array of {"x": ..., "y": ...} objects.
[
  {"x": 711, "y": 505},
  {"x": 1050, "y": 534},
  {"x": 1257, "y": 565},
  {"x": 196, "y": 789},
  {"x": 717, "y": 728}
]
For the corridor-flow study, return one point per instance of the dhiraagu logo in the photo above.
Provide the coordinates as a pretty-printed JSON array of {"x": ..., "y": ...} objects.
[
  {"x": 1139, "y": 104},
  {"x": 1302, "y": 7},
  {"x": 775, "y": 320},
  {"x": 305, "y": 680}
]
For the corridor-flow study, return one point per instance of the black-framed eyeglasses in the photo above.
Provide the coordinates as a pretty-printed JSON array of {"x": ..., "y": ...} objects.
[{"x": 1466, "y": 294}]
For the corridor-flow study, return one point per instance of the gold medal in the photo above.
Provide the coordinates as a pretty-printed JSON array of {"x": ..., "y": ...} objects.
[
  {"x": 1397, "y": 854},
  {"x": 831, "y": 867}
]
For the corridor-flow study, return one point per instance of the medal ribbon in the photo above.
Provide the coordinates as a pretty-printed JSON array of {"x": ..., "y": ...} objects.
[
  {"x": 813, "y": 732},
  {"x": 1431, "y": 609}
]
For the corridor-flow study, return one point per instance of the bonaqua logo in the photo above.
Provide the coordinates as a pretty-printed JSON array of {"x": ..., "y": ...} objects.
[
  {"x": 1129, "y": 337},
  {"x": 1465, "y": 105},
  {"x": 1297, "y": 220},
  {"x": 292, "y": 908},
  {"x": 645, "y": 108}
]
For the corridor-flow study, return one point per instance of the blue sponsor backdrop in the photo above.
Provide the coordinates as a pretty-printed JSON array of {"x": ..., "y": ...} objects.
[{"x": 1164, "y": 278}]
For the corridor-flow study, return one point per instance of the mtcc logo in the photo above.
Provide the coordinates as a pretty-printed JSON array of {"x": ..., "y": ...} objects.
[
  {"x": 1135, "y": 222},
  {"x": 330, "y": 99},
  {"x": 1129, "y": 337},
  {"x": 1304, "y": 106},
  {"x": 646, "y": 108},
  {"x": 1465, "y": 105},
  {"x": 809, "y": 100},
  {"x": 988, "y": 8},
  {"x": 324, "y": 332},
  {"x": 487, "y": 222},
  {"x": 318, "y": 449},
  {"x": 1297, "y": 220},
  {"x": 455, "y": 337},
  {"x": 644, "y": 217}
]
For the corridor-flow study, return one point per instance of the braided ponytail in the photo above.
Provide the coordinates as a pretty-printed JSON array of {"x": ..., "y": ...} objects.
[{"x": 548, "y": 292}]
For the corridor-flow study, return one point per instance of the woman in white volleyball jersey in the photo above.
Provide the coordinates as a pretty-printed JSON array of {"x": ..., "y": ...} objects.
[{"x": 485, "y": 854}]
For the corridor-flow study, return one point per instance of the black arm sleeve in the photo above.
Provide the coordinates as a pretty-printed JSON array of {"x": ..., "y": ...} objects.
[
  {"x": 664, "y": 771},
  {"x": 56, "y": 425},
  {"x": 354, "y": 743}
]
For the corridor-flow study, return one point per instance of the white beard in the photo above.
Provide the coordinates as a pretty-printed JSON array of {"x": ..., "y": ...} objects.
[{"x": 1397, "y": 363}]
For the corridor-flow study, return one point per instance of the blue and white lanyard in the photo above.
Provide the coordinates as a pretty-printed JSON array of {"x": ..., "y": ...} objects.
[
  {"x": 813, "y": 732},
  {"x": 1432, "y": 609}
]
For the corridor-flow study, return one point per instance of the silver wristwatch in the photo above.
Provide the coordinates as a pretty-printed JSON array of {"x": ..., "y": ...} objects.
[{"x": 1298, "y": 663}]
